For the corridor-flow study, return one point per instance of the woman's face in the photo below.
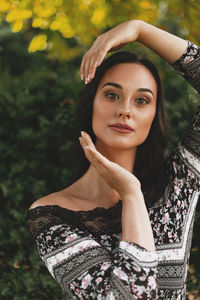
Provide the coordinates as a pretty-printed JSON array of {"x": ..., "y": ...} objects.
[{"x": 127, "y": 94}]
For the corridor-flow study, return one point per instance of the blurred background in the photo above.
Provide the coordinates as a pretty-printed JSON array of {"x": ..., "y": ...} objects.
[{"x": 41, "y": 46}]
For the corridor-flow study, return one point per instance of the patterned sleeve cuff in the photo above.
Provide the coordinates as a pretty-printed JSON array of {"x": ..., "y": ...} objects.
[
  {"x": 188, "y": 65},
  {"x": 138, "y": 252},
  {"x": 191, "y": 52}
]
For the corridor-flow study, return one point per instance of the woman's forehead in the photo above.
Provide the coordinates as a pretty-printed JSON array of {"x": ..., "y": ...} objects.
[{"x": 130, "y": 75}]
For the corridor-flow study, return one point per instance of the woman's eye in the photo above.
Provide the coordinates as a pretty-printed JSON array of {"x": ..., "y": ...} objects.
[
  {"x": 142, "y": 101},
  {"x": 112, "y": 95}
]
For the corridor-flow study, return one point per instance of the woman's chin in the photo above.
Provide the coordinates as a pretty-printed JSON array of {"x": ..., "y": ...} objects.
[{"x": 115, "y": 145}]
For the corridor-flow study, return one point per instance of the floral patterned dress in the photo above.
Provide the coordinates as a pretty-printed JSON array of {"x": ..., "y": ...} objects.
[{"x": 83, "y": 252}]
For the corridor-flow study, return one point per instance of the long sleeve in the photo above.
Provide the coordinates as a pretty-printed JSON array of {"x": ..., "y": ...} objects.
[
  {"x": 188, "y": 65},
  {"x": 89, "y": 269},
  {"x": 172, "y": 218}
]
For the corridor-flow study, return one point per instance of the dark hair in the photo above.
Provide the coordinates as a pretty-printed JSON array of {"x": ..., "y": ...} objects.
[{"x": 150, "y": 156}]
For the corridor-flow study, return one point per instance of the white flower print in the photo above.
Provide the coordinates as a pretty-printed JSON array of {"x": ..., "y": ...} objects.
[
  {"x": 105, "y": 266},
  {"x": 120, "y": 274},
  {"x": 86, "y": 281},
  {"x": 152, "y": 282},
  {"x": 165, "y": 217},
  {"x": 98, "y": 280}
]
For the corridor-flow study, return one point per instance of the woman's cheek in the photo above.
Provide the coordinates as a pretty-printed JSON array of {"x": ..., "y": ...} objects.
[
  {"x": 102, "y": 116},
  {"x": 98, "y": 122},
  {"x": 143, "y": 129}
]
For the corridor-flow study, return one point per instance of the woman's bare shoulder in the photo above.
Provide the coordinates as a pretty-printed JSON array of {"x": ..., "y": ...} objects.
[{"x": 56, "y": 198}]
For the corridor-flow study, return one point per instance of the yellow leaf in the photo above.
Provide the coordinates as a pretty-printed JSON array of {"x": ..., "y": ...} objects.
[
  {"x": 88, "y": 2},
  {"x": 4, "y": 6},
  {"x": 17, "y": 26},
  {"x": 44, "y": 12},
  {"x": 25, "y": 14},
  {"x": 17, "y": 14},
  {"x": 14, "y": 4},
  {"x": 145, "y": 5},
  {"x": 98, "y": 16},
  {"x": 66, "y": 28},
  {"x": 67, "y": 31},
  {"x": 40, "y": 22},
  {"x": 58, "y": 2},
  {"x": 12, "y": 15},
  {"x": 37, "y": 22},
  {"x": 55, "y": 25},
  {"x": 38, "y": 43}
]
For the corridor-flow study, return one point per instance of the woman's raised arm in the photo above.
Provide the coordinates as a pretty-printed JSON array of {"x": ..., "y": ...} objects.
[{"x": 167, "y": 45}]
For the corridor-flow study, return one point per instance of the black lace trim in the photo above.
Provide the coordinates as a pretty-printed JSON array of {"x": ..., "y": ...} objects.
[{"x": 97, "y": 221}]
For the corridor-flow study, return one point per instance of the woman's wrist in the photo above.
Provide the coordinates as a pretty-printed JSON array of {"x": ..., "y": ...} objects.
[
  {"x": 168, "y": 46},
  {"x": 133, "y": 196},
  {"x": 144, "y": 29},
  {"x": 139, "y": 25},
  {"x": 137, "y": 28},
  {"x": 136, "y": 226}
]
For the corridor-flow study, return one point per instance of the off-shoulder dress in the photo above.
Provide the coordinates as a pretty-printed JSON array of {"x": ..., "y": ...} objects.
[{"x": 83, "y": 252}]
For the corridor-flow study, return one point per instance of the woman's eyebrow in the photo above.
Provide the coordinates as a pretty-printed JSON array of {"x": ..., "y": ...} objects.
[
  {"x": 145, "y": 90},
  {"x": 113, "y": 84},
  {"x": 117, "y": 85}
]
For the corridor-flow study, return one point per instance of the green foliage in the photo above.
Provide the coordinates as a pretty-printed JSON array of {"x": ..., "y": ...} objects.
[
  {"x": 38, "y": 98},
  {"x": 83, "y": 20},
  {"x": 37, "y": 102},
  {"x": 50, "y": 23}
]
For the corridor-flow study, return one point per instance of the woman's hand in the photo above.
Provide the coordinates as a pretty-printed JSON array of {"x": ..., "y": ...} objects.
[
  {"x": 168, "y": 46},
  {"x": 114, "y": 39},
  {"x": 120, "y": 179}
]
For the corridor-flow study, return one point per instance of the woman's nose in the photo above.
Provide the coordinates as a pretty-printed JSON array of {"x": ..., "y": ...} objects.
[{"x": 124, "y": 112}]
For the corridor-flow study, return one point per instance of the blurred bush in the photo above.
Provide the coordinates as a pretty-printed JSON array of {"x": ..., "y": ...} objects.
[{"x": 37, "y": 102}]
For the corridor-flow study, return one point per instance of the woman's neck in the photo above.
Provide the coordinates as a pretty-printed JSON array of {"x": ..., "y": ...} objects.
[
  {"x": 123, "y": 157},
  {"x": 95, "y": 187}
]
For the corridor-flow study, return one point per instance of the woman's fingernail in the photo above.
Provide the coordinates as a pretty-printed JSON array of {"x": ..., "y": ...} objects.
[
  {"x": 87, "y": 79},
  {"x": 83, "y": 134},
  {"x": 81, "y": 76},
  {"x": 88, "y": 148}
]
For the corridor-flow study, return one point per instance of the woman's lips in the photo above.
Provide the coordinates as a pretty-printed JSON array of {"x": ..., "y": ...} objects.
[{"x": 123, "y": 130}]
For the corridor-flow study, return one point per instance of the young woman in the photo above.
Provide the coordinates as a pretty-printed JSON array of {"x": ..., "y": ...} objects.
[{"x": 123, "y": 230}]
